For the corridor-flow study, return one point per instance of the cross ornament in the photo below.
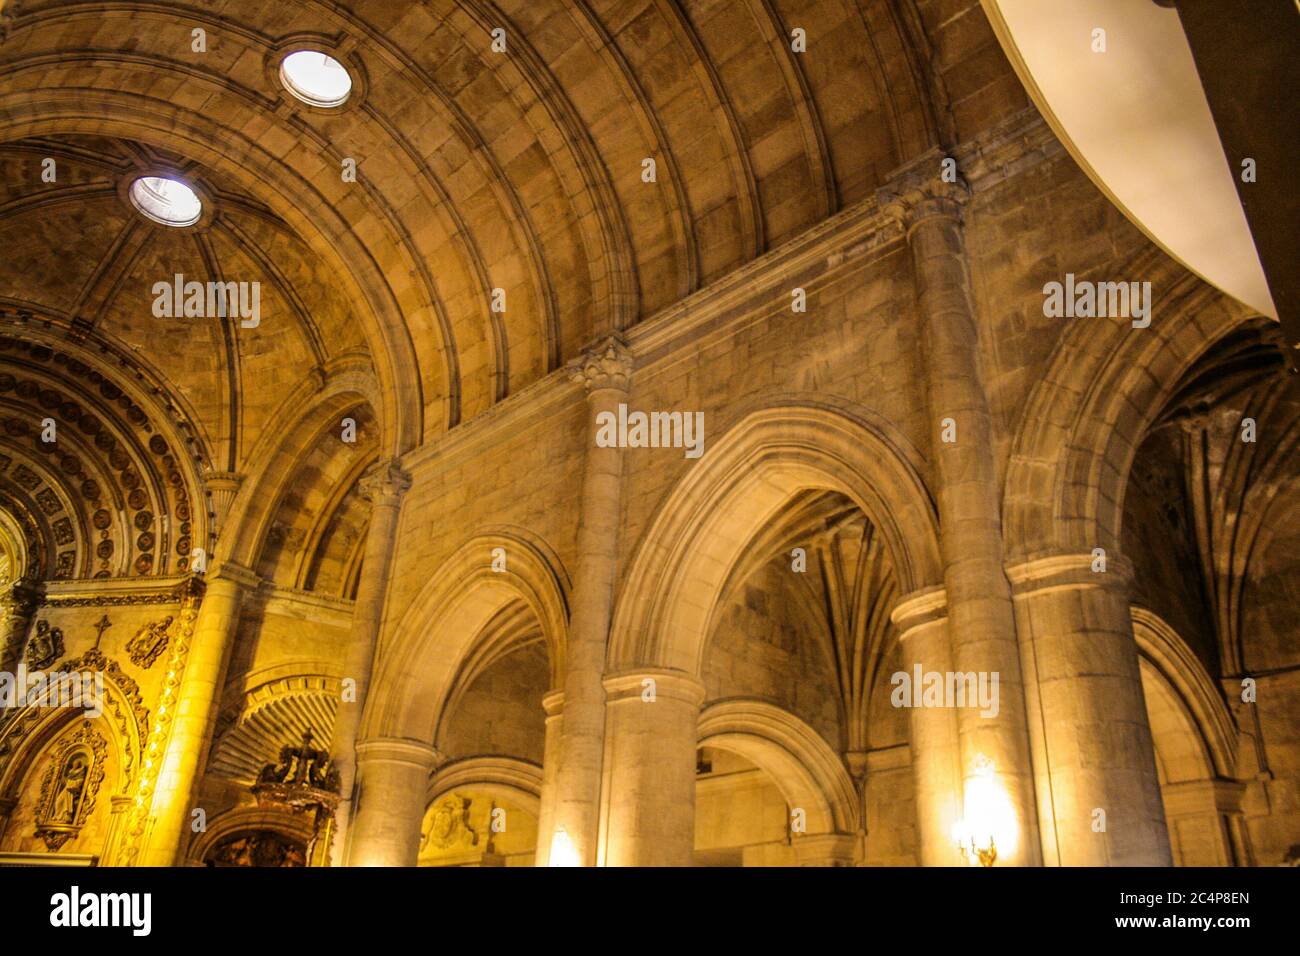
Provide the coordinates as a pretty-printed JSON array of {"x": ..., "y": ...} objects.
[{"x": 103, "y": 625}]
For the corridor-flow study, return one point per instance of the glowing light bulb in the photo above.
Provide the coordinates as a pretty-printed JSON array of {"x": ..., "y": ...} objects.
[{"x": 989, "y": 828}]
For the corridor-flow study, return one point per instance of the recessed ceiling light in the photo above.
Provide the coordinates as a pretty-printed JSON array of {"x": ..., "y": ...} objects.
[
  {"x": 315, "y": 78},
  {"x": 167, "y": 201}
]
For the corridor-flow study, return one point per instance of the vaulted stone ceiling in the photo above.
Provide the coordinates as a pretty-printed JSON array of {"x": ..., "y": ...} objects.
[
  {"x": 512, "y": 178},
  {"x": 79, "y": 257},
  {"x": 516, "y": 171}
]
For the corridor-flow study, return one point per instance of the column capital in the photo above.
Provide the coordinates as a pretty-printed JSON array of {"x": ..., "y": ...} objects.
[
  {"x": 606, "y": 363},
  {"x": 384, "y": 482},
  {"x": 1070, "y": 570},
  {"x": 920, "y": 608},
  {"x": 920, "y": 191},
  {"x": 230, "y": 574},
  {"x": 553, "y": 703},
  {"x": 190, "y": 591},
  {"x": 400, "y": 750},
  {"x": 670, "y": 684}
]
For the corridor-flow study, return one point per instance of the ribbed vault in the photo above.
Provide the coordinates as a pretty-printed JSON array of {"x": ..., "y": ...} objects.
[{"x": 500, "y": 216}]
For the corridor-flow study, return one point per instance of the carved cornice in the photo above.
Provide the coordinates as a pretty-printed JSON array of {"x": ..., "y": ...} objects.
[
  {"x": 607, "y": 363},
  {"x": 384, "y": 482},
  {"x": 120, "y": 592},
  {"x": 115, "y": 600},
  {"x": 1000, "y": 152}
]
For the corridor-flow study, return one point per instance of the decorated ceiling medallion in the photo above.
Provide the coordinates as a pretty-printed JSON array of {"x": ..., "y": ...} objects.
[
  {"x": 166, "y": 201},
  {"x": 316, "y": 78}
]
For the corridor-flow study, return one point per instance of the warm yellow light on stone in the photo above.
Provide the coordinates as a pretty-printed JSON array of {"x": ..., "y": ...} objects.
[
  {"x": 563, "y": 852},
  {"x": 990, "y": 819}
]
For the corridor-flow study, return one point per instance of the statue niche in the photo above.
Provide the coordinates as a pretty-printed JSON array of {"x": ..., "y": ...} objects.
[{"x": 70, "y": 786}]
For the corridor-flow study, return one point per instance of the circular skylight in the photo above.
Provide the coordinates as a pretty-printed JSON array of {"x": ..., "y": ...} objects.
[
  {"x": 168, "y": 201},
  {"x": 315, "y": 78}
]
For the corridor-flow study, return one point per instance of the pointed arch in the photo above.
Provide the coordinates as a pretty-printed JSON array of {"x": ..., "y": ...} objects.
[
  {"x": 681, "y": 565},
  {"x": 420, "y": 660},
  {"x": 1105, "y": 383},
  {"x": 279, "y": 450},
  {"x": 1184, "y": 683}
]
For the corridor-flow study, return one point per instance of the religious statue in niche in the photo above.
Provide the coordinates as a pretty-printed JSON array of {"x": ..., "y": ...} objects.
[
  {"x": 450, "y": 829},
  {"x": 45, "y": 647},
  {"x": 257, "y": 848},
  {"x": 149, "y": 642},
  {"x": 70, "y": 786}
]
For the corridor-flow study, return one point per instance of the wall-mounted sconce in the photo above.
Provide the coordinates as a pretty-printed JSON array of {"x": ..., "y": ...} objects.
[{"x": 989, "y": 818}]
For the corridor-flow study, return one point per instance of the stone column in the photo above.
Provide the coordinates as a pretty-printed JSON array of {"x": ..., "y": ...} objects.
[
  {"x": 392, "y": 785},
  {"x": 652, "y": 737},
  {"x": 18, "y": 606},
  {"x": 553, "y": 704},
  {"x": 119, "y": 817},
  {"x": 197, "y": 700},
  {"x": 1092, "y": 738},
  {"x": 981, "y": 622},
  {"x": 383, "y": 486},
  {"x": 922, "y": 622},
  {"x": 605, "y": 372}
]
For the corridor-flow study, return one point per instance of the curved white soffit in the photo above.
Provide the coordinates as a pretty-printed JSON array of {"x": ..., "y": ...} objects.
[{"x": 1137, "y": 122}]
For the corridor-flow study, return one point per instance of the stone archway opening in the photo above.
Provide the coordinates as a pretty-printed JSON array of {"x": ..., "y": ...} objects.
[{"x": 741, "y": 816}]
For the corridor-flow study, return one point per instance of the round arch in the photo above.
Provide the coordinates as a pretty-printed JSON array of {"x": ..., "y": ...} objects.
[
  {"x": 419, "y": 663},
  {"x": 804, "y": 767},
  {"x": 285, "y": 823},
  {"x": 506, "y": 777},
  {"x": 663, "y": 615}
]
